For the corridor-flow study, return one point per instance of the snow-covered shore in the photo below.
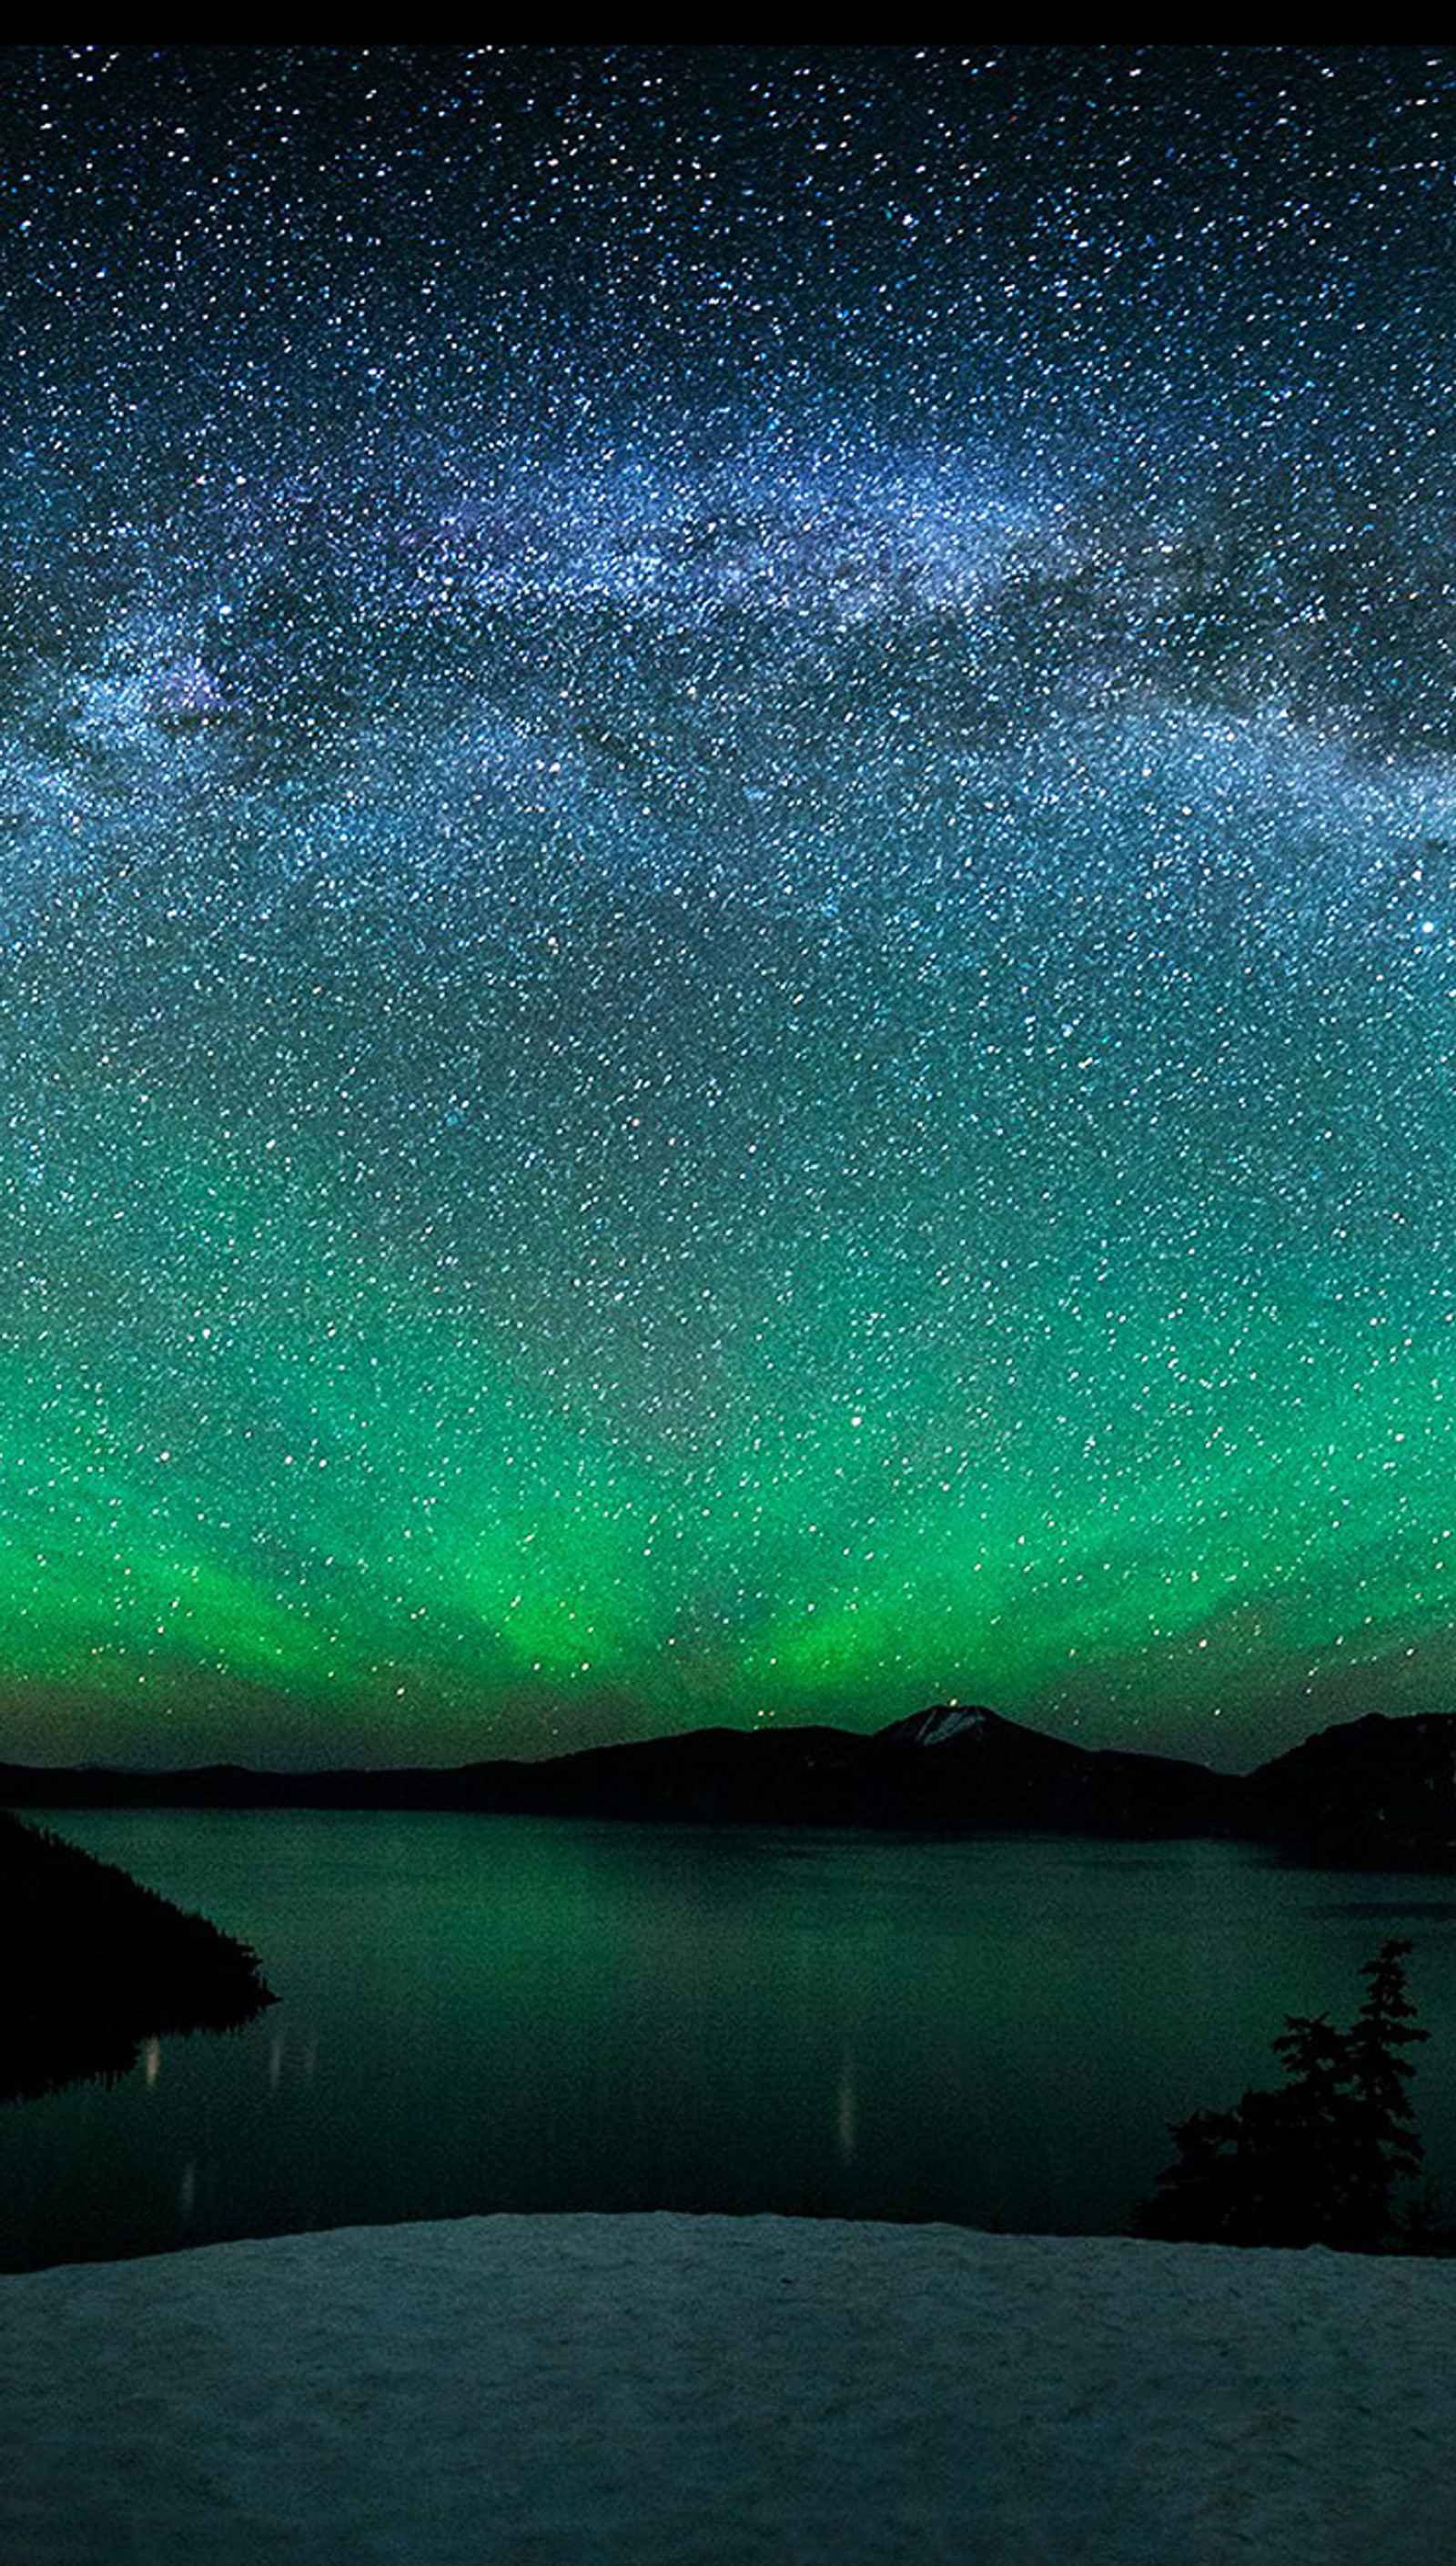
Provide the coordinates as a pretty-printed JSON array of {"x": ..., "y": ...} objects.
[{"x": 546, "y": 2392}]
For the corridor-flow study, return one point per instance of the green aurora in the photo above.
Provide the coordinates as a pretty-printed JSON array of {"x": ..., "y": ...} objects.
[{"x": 704, "y": 1021}]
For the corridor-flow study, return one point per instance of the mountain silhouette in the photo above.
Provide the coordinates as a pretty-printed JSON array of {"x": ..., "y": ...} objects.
[{"x": 1373, "y": 1790}]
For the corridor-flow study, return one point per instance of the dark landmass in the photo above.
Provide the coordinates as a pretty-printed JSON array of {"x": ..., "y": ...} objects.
[
  {"x": 1377, "y": 1792},
  {"x": 97, "y": 1965},
  {"x": 1373, "y": 1793}
]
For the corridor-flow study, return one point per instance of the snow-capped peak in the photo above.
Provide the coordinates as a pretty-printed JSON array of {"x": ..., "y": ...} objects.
[{"x": 946, "y": 1720}]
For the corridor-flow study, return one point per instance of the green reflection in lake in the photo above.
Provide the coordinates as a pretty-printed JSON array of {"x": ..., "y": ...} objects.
[{"x": 483, "y": 2013}]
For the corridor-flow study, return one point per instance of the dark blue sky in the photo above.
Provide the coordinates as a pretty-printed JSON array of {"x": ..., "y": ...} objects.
[{"x": 728, "y": 926}]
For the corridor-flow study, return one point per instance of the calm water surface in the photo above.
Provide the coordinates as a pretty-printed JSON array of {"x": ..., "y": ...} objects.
[{"x": 490, "y": 2013}]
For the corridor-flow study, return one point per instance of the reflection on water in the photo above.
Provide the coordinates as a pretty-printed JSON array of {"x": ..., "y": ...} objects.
[
  {"x": 846, "y": 2117},
  {"x": 509, "y": 2014},
  {"x": 299, "y": 2058}
]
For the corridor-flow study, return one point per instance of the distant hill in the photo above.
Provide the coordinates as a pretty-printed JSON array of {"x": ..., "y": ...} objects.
[
  {"x": 96, "y": 1964},
  {"x": 943, "y": 1771},
  {"x": 1375, "y": 1790}
]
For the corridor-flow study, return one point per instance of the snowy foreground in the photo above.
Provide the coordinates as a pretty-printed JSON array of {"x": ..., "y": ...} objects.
[{"x": 547, "y": 2390}]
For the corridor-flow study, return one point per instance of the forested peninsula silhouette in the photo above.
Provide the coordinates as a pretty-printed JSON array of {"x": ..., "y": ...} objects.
[{"x": 97, "y": 1965}]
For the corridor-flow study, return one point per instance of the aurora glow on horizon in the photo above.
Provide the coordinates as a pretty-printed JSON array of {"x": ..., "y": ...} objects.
[{"x": 728, "y": 826}]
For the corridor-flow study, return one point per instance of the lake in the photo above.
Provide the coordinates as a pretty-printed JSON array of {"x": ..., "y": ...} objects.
[{"x": 502, "y": 2014}]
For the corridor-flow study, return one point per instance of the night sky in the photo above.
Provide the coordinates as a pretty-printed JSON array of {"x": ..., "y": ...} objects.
[{"x": 729, "y": 893}]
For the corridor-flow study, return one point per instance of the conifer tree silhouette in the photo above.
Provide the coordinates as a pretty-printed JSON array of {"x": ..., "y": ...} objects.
[{"x": 1318, "y": 2160}]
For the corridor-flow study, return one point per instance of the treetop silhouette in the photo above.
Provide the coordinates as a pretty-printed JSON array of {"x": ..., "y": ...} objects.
[{"x": 1321, "y": 2159}]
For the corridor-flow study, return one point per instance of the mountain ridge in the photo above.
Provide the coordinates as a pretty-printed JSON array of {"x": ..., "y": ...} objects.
[{"x": 1379, "y": 1790}]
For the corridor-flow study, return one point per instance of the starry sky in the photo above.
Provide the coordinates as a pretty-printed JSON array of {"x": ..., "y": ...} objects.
[{"x": 727, "y": 893}]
